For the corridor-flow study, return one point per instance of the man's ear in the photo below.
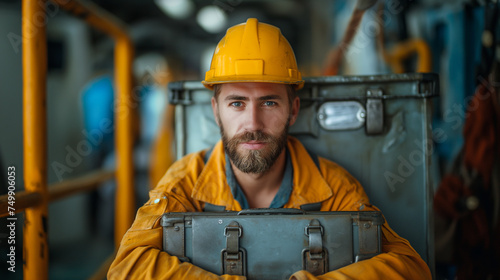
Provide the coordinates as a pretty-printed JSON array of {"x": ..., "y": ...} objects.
[
  {"x": 215, "y": 109},
  {"x": 295, "y": 110}
]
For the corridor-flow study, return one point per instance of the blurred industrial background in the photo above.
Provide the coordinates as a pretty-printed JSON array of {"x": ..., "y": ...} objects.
[{"x": 174, "y": 40}]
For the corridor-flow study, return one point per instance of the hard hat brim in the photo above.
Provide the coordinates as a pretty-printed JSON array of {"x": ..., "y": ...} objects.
[{"x": 299, "y": 84}]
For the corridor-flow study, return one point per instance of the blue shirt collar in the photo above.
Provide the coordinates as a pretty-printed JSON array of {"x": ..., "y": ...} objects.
[{"x": 281, "y": 197}]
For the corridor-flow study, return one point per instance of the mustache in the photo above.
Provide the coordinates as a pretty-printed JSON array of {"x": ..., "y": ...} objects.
[{"x": 252, "y": 136}]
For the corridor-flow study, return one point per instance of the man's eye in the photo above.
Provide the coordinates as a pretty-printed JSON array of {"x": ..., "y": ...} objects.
[
  {"x": 236, "y": 104},
  {"x": 269, "y": 103}
]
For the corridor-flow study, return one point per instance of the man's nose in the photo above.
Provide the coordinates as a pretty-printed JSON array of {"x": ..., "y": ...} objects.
[{"x": 254, "y": 120}]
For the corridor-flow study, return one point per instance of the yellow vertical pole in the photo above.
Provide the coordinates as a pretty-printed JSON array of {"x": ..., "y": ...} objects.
[
  {"x": 124, "y": 116},
  {"x": 35, "y": 137}
]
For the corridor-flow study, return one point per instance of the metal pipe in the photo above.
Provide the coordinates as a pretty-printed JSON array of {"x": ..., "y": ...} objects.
[
  {"x": 396, "y": 56},
  {"x": 35, "y": 132},
  {"x": 124, "y": 118},
  {"x": 56, "y": 191},
  {"x": 95, "y": 16},
  {"x": 23, "y": 200},
  {"x": 81, "y": 184},
  {"x": 403, "y": 50},
  {"x": 36, "y": 258}
]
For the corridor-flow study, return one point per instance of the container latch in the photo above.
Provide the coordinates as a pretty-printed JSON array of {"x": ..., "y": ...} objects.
[
  {"x": 315, "y": 257},
  {"x": 374, "y": 111},
  {"x": 233, "y": 257}
]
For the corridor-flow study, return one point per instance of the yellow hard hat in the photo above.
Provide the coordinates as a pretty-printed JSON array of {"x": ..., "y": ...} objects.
[{"x": 253, "y": 52}]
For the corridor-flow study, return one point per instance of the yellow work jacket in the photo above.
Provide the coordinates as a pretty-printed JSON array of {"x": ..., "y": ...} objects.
[{"x": 190, "y": 183}]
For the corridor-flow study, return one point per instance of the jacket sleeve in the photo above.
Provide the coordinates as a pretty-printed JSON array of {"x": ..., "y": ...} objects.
[
  {"x": 398, "y": 260},
  {"x": 140, "y": 255}
]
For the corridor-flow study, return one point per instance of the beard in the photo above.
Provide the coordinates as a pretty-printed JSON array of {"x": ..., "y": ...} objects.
[{"x": 255, "y": 161}]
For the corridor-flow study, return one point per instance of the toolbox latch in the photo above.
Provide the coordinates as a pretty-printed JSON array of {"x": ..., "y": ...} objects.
[
  {"x": 315, "y": 257},
  {"x": 233, "y": 257},
  {"x": 374, "y": 111},
  {"x": 174, "y": 227},
  {"x": 369, "y": 242}
]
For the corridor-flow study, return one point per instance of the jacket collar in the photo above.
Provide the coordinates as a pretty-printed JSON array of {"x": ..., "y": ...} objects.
[
  {"x": 212, "y": 186},
  {"x": 308, "y": 183}
]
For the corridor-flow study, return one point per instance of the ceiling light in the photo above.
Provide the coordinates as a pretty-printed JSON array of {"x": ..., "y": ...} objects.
[
  {"x": 212, "y": 19},
  {"x": 177, "y": 9}
]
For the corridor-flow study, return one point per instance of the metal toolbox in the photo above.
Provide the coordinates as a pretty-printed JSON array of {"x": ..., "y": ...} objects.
[
  {"x": 376, "y": 127},
  {"x": 272, "y": 243}
]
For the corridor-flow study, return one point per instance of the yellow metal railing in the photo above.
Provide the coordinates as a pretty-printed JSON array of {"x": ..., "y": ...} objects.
[
  {"x": 25, "y": 199},
  {"x": 396, "y": 56},
  {"x": 35, "y": 139},
  {"x": 403, "y": 50},
  {"x": 112, "y": 26},
  {"x": 36, "y": 196}
]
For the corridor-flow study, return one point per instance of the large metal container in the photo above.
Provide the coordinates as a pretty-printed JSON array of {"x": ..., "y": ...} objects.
[{"x": 376, "y": 127}]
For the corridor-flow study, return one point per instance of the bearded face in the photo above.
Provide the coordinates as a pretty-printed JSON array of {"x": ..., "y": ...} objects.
[
  {"x": 254, "y": 120},
  {"x": 254, "y": 161}
]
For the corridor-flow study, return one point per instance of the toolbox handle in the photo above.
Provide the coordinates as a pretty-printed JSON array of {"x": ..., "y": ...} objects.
[{"x": 272, "y": 211}]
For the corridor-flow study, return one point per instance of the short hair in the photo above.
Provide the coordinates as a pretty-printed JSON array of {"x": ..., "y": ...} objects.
[{"x": 290, "y": 90}]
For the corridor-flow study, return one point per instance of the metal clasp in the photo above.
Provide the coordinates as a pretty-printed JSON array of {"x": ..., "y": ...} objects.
[
  {"x": 315, "y": 258},
  {"x": 309, "y": 227},
  {"x": 315, "y": 265},
  {"x": 374, "y": 111},
  {"x": 233, "y": 258},
  {"x": 232, "y": 228}
]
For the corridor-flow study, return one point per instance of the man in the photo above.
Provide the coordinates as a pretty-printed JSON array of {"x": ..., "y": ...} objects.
[{"x": 256, "y": 165}]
